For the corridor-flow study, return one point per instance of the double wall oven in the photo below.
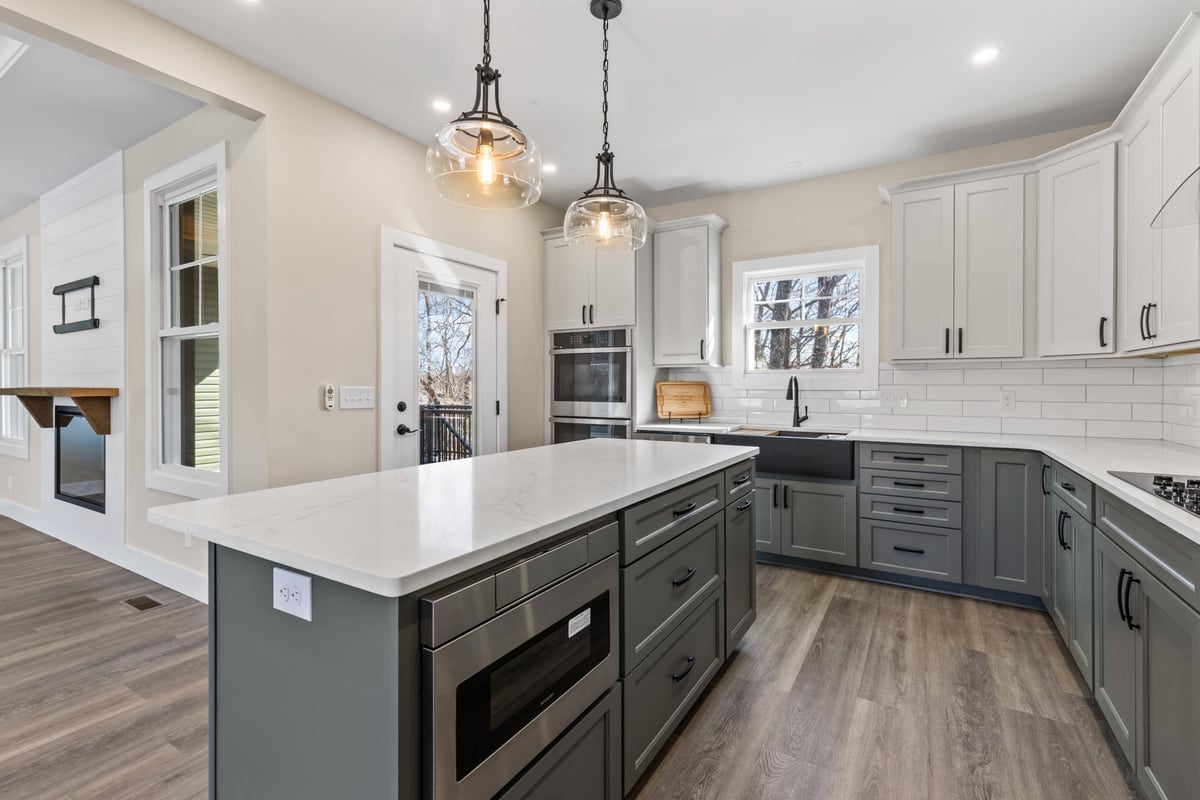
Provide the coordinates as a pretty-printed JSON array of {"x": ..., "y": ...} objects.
[{"x": 591, "y": 385}]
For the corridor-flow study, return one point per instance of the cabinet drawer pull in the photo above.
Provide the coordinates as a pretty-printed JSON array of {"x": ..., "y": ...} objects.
[
  {"x": 1120, "y": 588},
  {"x": 915, "y": 550},
  {"x": 742, "y": 506},
  {"x": 691, "y": 573},
  {"x": 908, "y": 484},
  {"x": 907, "y": 510},
  {"x": 678, "y": 676},
  {"x": 908, "y": 458},
  {"x": 741, "y": 480},
  {"x": 1070, "y": 487},
  {"x": 1128, "y": 610},
  {"x": 683, "y": 512}
]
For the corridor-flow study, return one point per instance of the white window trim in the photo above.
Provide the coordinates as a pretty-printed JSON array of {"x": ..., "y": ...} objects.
[
  {"x": 157, "y": 190},
  {"x": 866, "y": 377},
  {"x": 17, "y": 448}
]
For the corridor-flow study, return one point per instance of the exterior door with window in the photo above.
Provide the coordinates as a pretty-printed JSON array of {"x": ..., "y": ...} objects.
[{"x": 440, "y": 386}]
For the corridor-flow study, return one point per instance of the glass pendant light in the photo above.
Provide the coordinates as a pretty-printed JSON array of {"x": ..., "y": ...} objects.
[
  {"x": 482, "y": 159},
  {"x": 604, "y": 218}
]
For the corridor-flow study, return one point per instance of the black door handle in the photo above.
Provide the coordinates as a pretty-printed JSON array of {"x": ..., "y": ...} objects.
[
  {"x": 743, "y": 506},
  {"x": 1120, "y": 587},
  {"x": 1066, "y": 519},
  {"x": 1070, "y": 487},
  {"x": 583, "y": 314},
  {"x": 683, "y": 512},
  {"x": 786, "y": 491},
  {"x": 1045, "y": 472},
  {"x": 741, "y": 480},
  {"x": 691, "y": 573},
  {"x": 775, "y": 495},
  {"x": 1103, "y": 320},
  {"x": 701, "y": 349},
  {"x": 1061, "y": 543},
  {"x": 1150, "y": 334},
  {"x": 960, "y": 337},
  {"x": 906, "y": 510},
  {"x": 908, "y": 485},
  {"x": 914, "y": 550},
  {"x": 947, "y": 343},
  {"x": 1142, "y": 322},
  {"x": 908, "y": 458},
  {"x": 1128, "y": 609},
  {"x": 592, "y": 314},
  {"x": 678, "y": 676},
  {"x": 404, "y": 430}
]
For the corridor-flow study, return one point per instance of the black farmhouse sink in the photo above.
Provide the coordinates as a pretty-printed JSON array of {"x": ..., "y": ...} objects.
[{"x": 799, "y": 454}]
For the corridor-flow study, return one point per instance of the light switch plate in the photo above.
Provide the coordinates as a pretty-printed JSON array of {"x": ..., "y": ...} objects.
[
  {"x": 357, "y": 397},
  {"x": 893, "y": 398},
  {"x": 292, "y": 593}
]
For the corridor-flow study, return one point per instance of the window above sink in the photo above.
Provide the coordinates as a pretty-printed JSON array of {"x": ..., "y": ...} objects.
[{"x": 812, "y": 315}]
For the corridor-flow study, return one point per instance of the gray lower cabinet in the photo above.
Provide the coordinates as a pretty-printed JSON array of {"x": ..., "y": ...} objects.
[
  {"x": 1072, "y": 601},
  {"x": 740, "y": 584},
  {"x": 922, "y": 551},
  {"x": 819, "y": 521},
  {"x": 1008, "y": 542},
  {"x": 1116, "y": 645},
  {"x": 767, "y": 517},
  {"x": 585, "y": 764},
  {"x": 1048, "y": 541}
]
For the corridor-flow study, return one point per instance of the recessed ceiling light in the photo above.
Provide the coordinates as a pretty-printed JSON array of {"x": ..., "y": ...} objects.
[
  {"x": 985, "y": 55},
  {"x": 794, "y": 164},
  {"x": 441, "y": 105},
  {"x": 549, "y": 168}
]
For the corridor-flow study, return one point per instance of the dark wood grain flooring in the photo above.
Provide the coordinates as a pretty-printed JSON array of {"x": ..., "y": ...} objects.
[
  {"x": 852, "y": 690},
  {"x": 842, "y": 689}
]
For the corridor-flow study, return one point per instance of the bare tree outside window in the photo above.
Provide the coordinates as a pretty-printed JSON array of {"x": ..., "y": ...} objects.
[
  {"x": 445, "y": 352},
  {"x": 806, "y": 321}
]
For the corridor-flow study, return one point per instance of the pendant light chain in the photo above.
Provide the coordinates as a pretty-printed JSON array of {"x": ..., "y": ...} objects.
[
  {"x": 604, "y": 105},
  {"x": 487, "y": 33}
]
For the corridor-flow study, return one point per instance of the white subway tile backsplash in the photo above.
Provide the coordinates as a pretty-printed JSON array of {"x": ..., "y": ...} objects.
[
  {"x": 1148, "y": 412},
  {"x": 1125, "y": 430},
  {"x": 1008, "y": 377},
  {"x": 928, "y": 376},
  {"x": 964, "y": 424},
  {"x": 890, "y": 422},
  {"x": 1114, "y": 376},
  {"x": 1124, "y": 394},
  {"x": 1044, "y": 427},
  {"x": 1087, "y": 411},
  {"x": 964, "y": 392},
  {"x": 1148, "y": 376},
  {"x": 1051, "y": 394},
  {"x": 992, "y": 409},
  {"x": 945, "y": 408}
]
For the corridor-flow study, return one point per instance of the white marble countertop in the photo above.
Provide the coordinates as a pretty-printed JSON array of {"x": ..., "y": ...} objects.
[
  {"x": 1091, "y": 458},
  {"x": 690, "y": 427},
  {"x": 397, "y": 532}
]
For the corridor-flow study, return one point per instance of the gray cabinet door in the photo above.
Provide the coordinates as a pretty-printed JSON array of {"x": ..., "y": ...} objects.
[
  {"x": 740, "y": 589},
  {"x": 1049, "y": 543},
  {"x": 1116, "y": 644},
  {"x": 1062, "y": 611},
  {"x": 767, "y": 516},
  {"x": 820, "y": 521},
  {"x": 1168, "y": 741},
  {"x": 1080, "y": 643},
  {"x": 1009, "y": 544}
]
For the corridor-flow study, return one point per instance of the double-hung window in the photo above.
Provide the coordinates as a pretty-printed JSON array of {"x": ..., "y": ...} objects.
[
  {"x": 188, "y": 263},
  {"x": 14, "y": 427},
  {"x": 813, "y": 315}
]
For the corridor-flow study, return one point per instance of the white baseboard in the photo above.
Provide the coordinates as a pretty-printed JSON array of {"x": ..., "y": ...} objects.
[{"x": 173, "y": 576}]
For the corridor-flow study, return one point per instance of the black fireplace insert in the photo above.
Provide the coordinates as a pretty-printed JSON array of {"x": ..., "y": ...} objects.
[{"x": 78, "y": 460}]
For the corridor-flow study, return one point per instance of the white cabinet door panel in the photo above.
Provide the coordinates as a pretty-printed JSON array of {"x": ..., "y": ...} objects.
[
  {"x": 615, "y": 294},
  {"x": 681, "y": 292},
  {"x": 569, "y": 275},
  {"x": 923, "y": 273},
  {"x": 989, "y": 268},
  {"x": 1176, "y": 315},
  {"x": 1077, "y": 254},
  {"x": 1140, "y": 245}
]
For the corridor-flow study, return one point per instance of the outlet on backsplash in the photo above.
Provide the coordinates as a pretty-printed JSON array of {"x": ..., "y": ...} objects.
[{"x": 893, "y": 397}]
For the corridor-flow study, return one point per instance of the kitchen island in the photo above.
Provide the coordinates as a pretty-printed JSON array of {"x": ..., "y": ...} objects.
[{"x": 340, "y": 704}]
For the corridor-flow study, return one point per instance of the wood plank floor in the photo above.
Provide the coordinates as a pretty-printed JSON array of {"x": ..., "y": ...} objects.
[
  {"x": 842, "y": 689},
  {"x": 846, "y": 689}
]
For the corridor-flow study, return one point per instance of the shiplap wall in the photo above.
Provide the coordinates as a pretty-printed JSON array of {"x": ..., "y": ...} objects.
[
  {"x": 1113, "y": 398},
  {"x": 83, "y": 234},
  {"x": 1181, "y": 394}
]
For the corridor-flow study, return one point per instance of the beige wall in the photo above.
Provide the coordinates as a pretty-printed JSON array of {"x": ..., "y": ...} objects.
[
  {"x": 20, "y": 479},
  {"x": 836, "y": 211}
]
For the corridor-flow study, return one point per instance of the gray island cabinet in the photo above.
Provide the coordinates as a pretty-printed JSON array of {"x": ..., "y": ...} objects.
[{"x": 508, "y": 626}]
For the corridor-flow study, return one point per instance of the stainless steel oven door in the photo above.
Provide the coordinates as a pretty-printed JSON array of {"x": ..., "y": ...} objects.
[
  {"x": 573, "y": 429},
  {"x": 498, "y": 695},
  {"x": 591, "y": 382}
]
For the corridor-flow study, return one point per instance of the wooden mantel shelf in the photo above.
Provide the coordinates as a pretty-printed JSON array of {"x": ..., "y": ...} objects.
[{"x": 93, "y": 403}]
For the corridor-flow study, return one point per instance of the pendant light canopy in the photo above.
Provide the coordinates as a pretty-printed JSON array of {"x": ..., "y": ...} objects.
[
  {"x": 604, "y": 218},
  {"x": 482, "y": 159}
]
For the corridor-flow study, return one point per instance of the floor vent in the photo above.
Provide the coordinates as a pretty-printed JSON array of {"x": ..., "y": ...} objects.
[{"x": 142, "y": 603}]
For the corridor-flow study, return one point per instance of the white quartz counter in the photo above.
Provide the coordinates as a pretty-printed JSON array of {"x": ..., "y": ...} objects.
[
  {"x": 690, "y": 427},
  {"x": 1091, "y": 458},
  {"x": 396, "y": 532}
]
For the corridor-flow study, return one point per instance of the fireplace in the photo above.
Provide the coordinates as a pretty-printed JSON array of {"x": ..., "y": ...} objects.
[{"x": 78, "y": 460}]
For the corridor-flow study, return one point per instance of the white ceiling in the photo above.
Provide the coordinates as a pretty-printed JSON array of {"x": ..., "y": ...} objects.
[
  {"x": 711, "y": 95},
  {"x": 62, "y": 112}
]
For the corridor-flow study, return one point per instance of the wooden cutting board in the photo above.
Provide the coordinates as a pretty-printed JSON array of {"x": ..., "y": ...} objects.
[{"x": 686, "y": 399}]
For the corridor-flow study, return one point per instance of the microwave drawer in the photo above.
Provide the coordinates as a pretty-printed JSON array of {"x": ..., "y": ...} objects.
[
  {"x": 654, "y": 522},
  {"x": 664, "y": 686},
  {"x": 910, "y": 484},
  {"x": 658, "y": 591}
]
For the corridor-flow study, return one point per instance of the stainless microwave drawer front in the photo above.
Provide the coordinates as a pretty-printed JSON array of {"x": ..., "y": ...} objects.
[
  {"x": 532, "y": 574},
  {"x": 450, "y": 665}
]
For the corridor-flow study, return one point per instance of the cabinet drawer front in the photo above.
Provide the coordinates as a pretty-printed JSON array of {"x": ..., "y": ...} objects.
[
  {"x": 654, "y": 522},
  {"x": 667, "y": 684},
  {"x": 1076, "y": 491},
  {"x": 741, "y": 591},
  {"x": 911, "y": 484},
  {"x": 665, "y": 586},
  {"x": 941, "y": 513},
  {"x": 739, "y": 481},
  {"x": 1164, "y": 553},
  {"x": 912, "y": 550},
  {"x": 919, "y": 458}
]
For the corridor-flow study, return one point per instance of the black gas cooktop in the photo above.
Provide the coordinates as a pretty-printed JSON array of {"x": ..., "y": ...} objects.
[{"x": 1179, "y": 490}]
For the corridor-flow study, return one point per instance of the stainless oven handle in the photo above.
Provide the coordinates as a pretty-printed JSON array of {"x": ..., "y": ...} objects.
[
  {"x": 578, "y": 350},
  {"x": 622, "y": 423}
]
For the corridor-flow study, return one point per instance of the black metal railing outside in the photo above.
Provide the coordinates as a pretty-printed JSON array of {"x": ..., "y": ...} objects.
[{"x": 445, "y": 433}]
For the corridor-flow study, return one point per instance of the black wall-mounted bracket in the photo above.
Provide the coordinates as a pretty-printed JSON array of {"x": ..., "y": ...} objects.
[{"x": 62, "y": 290}]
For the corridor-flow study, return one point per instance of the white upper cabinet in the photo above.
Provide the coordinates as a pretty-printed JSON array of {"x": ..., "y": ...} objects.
[
  {"x": 1140, "y": 247},
  {"x": 585, "y": 289},
  {"x": 923, "y": 273},
  {"x": 989, "y": 268},
  {"x": 958, "y": 260},
  {"x": 1077, "y": 254},
  {"x": 687, "y": 292}
]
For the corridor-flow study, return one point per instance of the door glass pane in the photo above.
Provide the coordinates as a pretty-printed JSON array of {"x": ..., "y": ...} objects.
[
  {"x": 446, "y": 371},
  {"x": 192, "y": 403}
]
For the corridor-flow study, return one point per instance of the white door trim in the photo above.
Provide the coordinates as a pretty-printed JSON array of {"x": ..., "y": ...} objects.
[{"x": 389, "y": 240}]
